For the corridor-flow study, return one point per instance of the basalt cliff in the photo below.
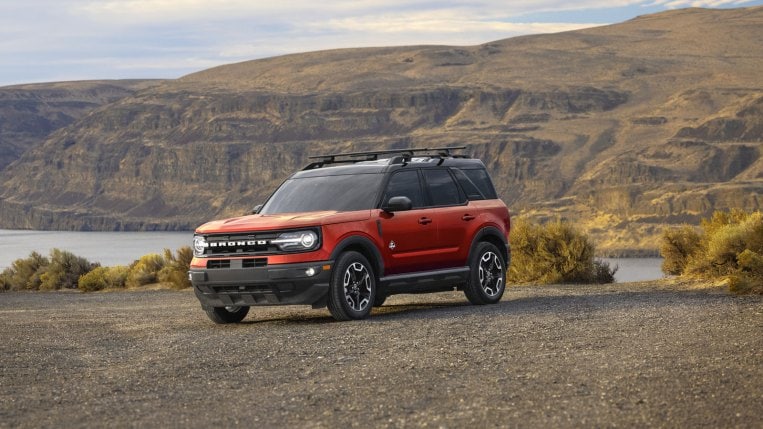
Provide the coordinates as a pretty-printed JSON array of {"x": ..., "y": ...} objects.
[{"x": 623, "y": 129}]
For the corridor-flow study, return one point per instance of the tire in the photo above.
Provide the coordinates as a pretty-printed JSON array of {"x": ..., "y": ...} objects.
[
  {"x": 487, "y": 276},
  {"x": 353, "y": 287},
  {"x": 230, "y": 314},
  {"x": 379, "y": 299}
]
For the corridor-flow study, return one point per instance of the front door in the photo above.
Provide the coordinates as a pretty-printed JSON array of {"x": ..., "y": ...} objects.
[{"x": 410, "y": 237}]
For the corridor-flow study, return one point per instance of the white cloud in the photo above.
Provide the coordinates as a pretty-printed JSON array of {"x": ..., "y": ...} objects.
[{"x": 168, "y": 38}]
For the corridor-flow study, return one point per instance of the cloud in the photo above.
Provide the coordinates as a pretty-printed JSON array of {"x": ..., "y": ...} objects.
[{"x": 169, "y": 38}]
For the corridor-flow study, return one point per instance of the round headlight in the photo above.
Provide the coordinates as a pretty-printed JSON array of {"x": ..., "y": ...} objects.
[
  {"x": 199, "y": 245},
  {"x": 308, "y": 239}
]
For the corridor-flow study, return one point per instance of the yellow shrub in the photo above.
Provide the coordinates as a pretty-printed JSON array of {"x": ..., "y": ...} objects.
[
  {"x": 729, "y": 246},
  {"x": 104, "y": 278},
  {"x": 554, "y": 253},
  {"x": 145, "y": 270},
  {"x": 175, "y": 270}
]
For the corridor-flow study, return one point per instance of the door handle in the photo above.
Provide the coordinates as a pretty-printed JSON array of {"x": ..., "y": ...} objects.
[
  {"x": 467, "y": 217},
  {"x": 425, "y": 220}
]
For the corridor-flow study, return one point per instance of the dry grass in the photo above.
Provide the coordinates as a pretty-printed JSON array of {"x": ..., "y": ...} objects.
[
  {"x": 729, "y": 247},
  {"x": 554, "y": 253}
]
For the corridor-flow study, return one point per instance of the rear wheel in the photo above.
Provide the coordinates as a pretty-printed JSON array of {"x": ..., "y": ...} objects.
[
  {"x": 353, "y": 287},
  {"x": 487, "y": 277},
  {"x": 229, "y": 314}
]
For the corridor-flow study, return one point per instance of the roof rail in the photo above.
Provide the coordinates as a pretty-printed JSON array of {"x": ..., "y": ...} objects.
[{"x": 407, "y": 153}]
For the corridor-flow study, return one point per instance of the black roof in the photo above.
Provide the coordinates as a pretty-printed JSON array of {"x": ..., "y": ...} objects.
[{"x": 378, "y": 166}]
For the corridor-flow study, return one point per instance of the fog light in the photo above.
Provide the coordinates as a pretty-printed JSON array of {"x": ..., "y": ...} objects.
[{"x": 310, "y": 272}]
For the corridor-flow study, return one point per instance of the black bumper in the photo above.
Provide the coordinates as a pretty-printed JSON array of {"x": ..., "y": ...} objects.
[{"x": 283, "y": 284}]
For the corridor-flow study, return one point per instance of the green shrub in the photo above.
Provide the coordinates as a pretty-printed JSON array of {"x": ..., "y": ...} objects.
[
  {"x": 64, "y": 270},
  {"x": 554, "y": 253},
  {"x": 104, "y": 278},
  {"x": 61, "y": 270},
  {"x": 145, "y": 270},
  {"x": 175, "y": 270},
  {"x": 729, "y": 246},
  {"x": 24, "y": 274}
]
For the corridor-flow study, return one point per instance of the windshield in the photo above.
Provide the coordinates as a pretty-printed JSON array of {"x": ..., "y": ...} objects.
[{"x": 340, "y": 193}]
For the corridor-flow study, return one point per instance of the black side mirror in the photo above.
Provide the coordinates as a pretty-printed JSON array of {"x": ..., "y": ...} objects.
[
  {"x": 256, "y": 209},
  {"x": 398, "y": 204}
]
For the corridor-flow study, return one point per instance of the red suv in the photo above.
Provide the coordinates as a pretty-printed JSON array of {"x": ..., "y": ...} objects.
[{"x": 351, "y": 229}]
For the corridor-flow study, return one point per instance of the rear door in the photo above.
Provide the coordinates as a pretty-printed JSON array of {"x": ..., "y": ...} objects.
[{"x": 451, "y": 214}]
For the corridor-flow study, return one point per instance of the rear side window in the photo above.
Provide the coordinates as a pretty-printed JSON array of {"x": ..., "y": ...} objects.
[
  {"x": 480, "y": 178},
  {"x": 405, "y": 184},
  {"x": 443, "y": 191}
]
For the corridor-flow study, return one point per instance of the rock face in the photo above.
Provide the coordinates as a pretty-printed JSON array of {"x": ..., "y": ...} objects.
[
  {"x": 31, "y": 113},
  {"x": 623, "y": 129}
]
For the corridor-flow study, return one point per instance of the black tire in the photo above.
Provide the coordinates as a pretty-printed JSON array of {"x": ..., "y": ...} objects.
[
  {"x": 230, "y": 314},
  {"x": 487, "y": 277},
  {"x": 353, "y": 287},
  {"x": 380, "y": 298}
]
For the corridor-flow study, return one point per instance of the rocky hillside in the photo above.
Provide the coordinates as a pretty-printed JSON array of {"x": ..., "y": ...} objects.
[
  {"x": 623, "y": 128},
  {"x": 29, "y": 114}
]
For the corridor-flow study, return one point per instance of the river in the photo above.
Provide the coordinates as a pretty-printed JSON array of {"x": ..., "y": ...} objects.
[
  {"x": 121, "y": 248},
  {"x": 108, "y": 248}
]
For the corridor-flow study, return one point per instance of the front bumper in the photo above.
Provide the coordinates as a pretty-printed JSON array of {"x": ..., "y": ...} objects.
[{"x": 282, "y": 284}]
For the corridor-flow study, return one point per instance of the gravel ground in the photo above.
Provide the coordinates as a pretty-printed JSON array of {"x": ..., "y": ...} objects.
[{"x": 637, "y": 354}]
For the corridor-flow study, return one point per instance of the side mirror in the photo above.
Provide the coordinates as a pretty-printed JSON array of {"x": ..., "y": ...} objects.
[
  {"x": 256, "y": 209},
  {"x": 398, "y": 204}
]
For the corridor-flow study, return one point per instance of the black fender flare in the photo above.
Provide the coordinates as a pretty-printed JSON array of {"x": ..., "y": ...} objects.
[
  {"x": 367, "y": 245},
  {"x": 494, "y": 234}
]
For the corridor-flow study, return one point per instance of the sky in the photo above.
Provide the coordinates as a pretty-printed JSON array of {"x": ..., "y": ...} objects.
[{"x": 61, "y": 40}]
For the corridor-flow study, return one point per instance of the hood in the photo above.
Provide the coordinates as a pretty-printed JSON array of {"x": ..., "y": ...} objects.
[{"x": 260, "y": 222}]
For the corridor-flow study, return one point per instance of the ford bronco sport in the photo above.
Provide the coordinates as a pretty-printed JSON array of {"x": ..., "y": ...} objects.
[{"x": 351, "y": 229}]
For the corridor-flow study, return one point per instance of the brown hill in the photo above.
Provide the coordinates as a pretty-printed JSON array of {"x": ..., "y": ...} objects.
[
  {"x": 623, "y": 128},
  {"x": 30, "y": 113}
]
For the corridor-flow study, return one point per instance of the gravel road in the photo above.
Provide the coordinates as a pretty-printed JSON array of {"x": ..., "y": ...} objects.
[{"x": 637, "y": 354}]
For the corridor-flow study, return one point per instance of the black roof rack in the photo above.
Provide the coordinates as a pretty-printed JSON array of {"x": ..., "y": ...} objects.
[{"x": 407, "y": 154}]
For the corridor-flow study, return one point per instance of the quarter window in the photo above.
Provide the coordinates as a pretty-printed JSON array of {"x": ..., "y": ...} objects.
[{"x": 480, "y": 178}]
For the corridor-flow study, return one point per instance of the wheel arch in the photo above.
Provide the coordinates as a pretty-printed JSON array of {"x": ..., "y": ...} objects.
[
  {"x": 492, "y": 235},
  {"x": 365, "y": 247}
]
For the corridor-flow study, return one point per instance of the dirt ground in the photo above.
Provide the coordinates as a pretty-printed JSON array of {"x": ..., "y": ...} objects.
[{"x": 655, "y": 354}]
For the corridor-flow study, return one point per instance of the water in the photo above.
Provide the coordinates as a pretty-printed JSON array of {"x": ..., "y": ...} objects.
[
  {"x": 108, "y": 248},
  {"x": 636, "y": 269},
  {"x": 121, "y": 248}
]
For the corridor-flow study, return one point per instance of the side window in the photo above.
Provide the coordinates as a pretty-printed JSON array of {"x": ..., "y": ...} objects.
[
  {"x": 472, "y": 192},
  {"x": 480, "y": 178},
  {"x": 405, "y": 184},
  {"x": 442, "y": 189}
]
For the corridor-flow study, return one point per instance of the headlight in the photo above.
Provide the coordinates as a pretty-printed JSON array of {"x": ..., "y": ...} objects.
[
  {"x": 199, "y": 245},
  {"x": 297, "y": 240}
]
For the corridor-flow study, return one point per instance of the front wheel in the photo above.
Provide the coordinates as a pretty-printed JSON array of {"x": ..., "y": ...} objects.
[
  {"x": 229, "y": 314},
  {"x": 353, "y": 287},
  {"x": 487, "y": 277}
]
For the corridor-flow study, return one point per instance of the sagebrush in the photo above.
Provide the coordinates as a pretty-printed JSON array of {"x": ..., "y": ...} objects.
[
  {"x": 726, "y": 246},
  {"x": 60, "y": 270},
  {"x": 554, "y": 252},
  {"x": 64, "y": 270}
]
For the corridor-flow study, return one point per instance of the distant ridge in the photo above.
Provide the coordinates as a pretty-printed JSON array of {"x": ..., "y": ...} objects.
[{"x": 622, "y": 128}]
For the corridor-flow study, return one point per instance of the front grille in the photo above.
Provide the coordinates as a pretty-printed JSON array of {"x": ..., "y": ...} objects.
[
  {"x": 245, "y": 263},
  {"x": 241, "y": 244},
  {"x": 254, "y": 262},
  {"x": 218, "y": 263}
]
